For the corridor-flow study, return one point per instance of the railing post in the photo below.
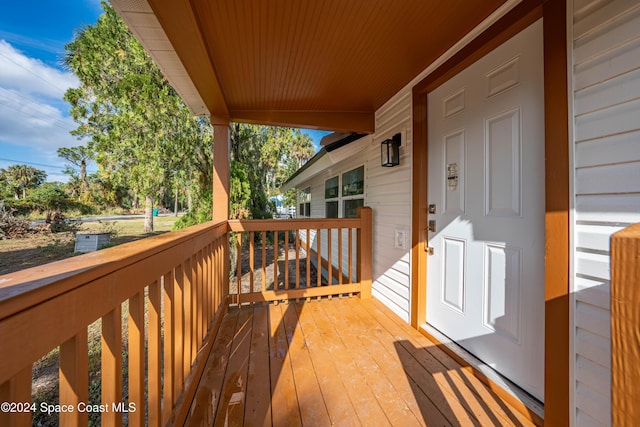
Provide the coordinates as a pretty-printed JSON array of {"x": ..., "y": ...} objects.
[
  {"x": 625, "y": 326},
  {"x": 365, "y": 251}
]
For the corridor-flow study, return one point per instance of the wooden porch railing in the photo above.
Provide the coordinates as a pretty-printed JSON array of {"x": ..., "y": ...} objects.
[
  {"x": 175, "y": 281},
  {"x": 274, "y": 258},
  {"x": 176, "y": 287},
  {"x": 625, "y": 326}
]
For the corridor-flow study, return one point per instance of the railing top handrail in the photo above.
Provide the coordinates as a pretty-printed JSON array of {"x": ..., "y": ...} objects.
[
  {"x": 26, "y": 288},
  {"x": 292, "y": 224}
]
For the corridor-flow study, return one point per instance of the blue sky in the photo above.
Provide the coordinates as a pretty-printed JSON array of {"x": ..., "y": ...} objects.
[{"x": 34, "y": 119}]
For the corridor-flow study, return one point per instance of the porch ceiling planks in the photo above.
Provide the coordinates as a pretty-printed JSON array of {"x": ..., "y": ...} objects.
[
  {"x": 326, "y": 64},
  {"x": 343, "y": 361}
]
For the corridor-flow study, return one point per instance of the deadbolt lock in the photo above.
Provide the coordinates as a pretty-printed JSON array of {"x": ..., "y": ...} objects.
[
  {"x": 431, "y": 226},
  {"x": 429, "y": 250},
  {"x": 432, "y": 209}
]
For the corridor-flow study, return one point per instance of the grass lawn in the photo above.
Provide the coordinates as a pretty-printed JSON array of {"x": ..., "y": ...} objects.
[{"x": 18, "y": 254}]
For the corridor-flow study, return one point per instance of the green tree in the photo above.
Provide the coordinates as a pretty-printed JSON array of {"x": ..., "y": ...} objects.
[
  {"x": 21, "y": 177},
  {"x": 49, "y": 197},
  {"x": 77, "y": 156},
  {"x": 239, "y": 191},
  {"x": 271, "y": 155},
  {"x": 140, "y": 131}
]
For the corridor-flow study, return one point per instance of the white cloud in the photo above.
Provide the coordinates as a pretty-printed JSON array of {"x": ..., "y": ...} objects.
[
  {"x": 32, "y": 111},
  {"x": 27, "y": 121},
  {"x": 32, "y": 76}
]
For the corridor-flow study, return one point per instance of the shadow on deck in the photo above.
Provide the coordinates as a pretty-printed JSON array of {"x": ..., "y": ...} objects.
[{"x": 344, "y": 361}]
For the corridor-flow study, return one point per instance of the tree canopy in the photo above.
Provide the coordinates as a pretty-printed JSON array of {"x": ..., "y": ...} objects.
[
  {"x": 141, "y": 132},
  {"x": 144, "y": 138},
  {"x": 21, "y": 177}
]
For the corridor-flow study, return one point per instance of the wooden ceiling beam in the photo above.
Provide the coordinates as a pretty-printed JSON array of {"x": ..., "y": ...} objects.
[
  {"x": 361, "y": 122},
  {"x": 182, "y": 28}
]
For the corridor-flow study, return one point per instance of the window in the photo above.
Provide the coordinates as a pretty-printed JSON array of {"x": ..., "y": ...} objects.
[
  {"x": 304, "y": 200},
  {"x": 352, "y": 192},
  {"x": 353, "y": 182},
  {"x": 351, "y": 207},
  {"x": 331, "y": 209},
  {"x": 331, "y": 193}
]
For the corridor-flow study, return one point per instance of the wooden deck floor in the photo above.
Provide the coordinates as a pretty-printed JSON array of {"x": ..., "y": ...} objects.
[{"x": 340, "y": 361}]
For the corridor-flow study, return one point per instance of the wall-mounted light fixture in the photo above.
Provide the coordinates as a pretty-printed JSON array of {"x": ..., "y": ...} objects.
[{"x": 390, "y": 151}]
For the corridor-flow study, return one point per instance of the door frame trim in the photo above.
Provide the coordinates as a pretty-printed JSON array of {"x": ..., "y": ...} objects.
[{"x": 557, "y": 190}]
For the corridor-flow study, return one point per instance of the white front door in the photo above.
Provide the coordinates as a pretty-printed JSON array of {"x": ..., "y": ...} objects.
[{"x": 485, "y": 279}]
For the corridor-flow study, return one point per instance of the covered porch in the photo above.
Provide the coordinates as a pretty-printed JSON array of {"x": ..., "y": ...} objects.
[
  {"x": 177, "y": 347},
  {"x": 201, "y": 350}
]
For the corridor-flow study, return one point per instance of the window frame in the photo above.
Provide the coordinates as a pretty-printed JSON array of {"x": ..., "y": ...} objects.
[
  {"x": 344, "y": 199},
  {"x": 304, "y": 202},
  {"x": 333, "y": 201}
]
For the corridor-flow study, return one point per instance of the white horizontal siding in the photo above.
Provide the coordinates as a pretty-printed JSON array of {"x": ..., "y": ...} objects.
[
  {"x": 606, "y": 108},
  {"x": 388, "y": 192},
  {"x": 594, "y": 292},
  {"x": 612, "y": 149},
  {"x": 611, "y": 209},
  {"x": 596, "y": 402},
  {"x": 609, "y": 179},
  {"x": 593, "y": 319},
  {"x": 594, "y": 376},
  {"x": 593, "y": 347}
]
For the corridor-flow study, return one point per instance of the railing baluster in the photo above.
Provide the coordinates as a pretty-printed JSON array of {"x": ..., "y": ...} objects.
[
  {"x": 308, "y": 283},
  {"x": 178, "y": 331},
  {"x": 286, "y": 259},
  {"x": 239, "y": 265},
  {"x": 350, "y": 255},
  {"x": 136, "y": 359},
  {"x": 200, "y": 301},
  {"x": 191, "y": 323},
  {"x": 275, "y": 261},
  {"x": 264, "y": 261},
  {"x": 16, "y": 389},
  {"x": 206, "y": 277},
  {"x": 213, "y": 292},
  {"x": 112, "y": 365},
  {"x": 169, "y": 285},
  {"x": 74, "y": 378},
  {"x": 340, "y": 273},
  {"x": 329, "y": 258},
  {"x": 319, "y": 254},
  {"x": 154, "y": 358},
  {"x": 297, "y": 259},
  {"x": 251, "y": 261},
  {"x": 194, "y": 335},
  {"x": 219, "y": 271},
  {"x": 186, "y": 286},
  {"x": 223, "y": 282}
]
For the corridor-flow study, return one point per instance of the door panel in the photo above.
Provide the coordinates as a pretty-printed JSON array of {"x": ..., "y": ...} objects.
[{"x": 485, "y": 279}]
